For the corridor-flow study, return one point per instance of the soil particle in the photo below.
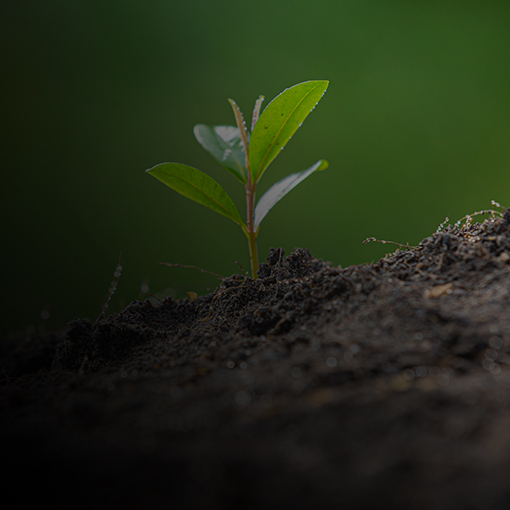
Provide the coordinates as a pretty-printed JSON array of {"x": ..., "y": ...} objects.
[{"x": 381, "y": 385}]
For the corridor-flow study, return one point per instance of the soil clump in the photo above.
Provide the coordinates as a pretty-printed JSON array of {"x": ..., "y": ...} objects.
[{"x": 381, "y": 385}]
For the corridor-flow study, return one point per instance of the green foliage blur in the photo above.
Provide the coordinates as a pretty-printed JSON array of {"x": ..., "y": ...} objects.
[{"x": 415, "y": 126}]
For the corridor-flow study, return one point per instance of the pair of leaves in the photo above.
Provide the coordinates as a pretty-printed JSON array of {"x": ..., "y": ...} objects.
[
  {"x": 201, "y": 188},
  {"x": 271, "y": 132}
]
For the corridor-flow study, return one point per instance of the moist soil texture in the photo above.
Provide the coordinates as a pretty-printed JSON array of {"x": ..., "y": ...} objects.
[{"x": 383, "y": 385}]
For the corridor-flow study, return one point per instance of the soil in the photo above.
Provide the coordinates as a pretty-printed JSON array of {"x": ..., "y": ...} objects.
[{"x": 381, "y": 385}]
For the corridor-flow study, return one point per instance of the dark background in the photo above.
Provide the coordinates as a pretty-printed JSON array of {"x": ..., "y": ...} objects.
[{"x": 415, "y": 125}]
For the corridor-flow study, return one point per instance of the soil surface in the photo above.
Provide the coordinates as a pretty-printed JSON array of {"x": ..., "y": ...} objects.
[{"x": 382, "y": 385}]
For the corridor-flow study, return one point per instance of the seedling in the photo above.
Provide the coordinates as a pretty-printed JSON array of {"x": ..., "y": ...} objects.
[{"x": 246, "y": 155}]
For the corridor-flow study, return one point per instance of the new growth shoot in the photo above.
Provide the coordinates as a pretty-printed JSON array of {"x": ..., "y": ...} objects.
[{"x": 246, "y": 154}]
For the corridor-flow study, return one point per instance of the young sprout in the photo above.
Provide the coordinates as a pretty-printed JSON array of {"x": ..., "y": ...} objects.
[{"x": 246, "y": 155}]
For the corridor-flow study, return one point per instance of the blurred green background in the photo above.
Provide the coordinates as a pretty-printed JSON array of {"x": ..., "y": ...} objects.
[{"x": 415, "y": 125}]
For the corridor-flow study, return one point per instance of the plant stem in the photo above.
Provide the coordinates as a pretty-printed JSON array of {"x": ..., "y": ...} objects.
[
  {"x": 252, "y": 241},
  {"x": 251, "y": 233},
  {"x": 250, "y": 185}
]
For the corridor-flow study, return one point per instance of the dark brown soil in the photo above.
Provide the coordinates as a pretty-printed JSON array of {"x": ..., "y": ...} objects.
[{"x": 382, "y": 385}]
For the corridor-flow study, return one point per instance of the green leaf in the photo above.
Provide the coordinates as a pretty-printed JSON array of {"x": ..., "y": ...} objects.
[
  {"x": 224, "y": 143},
  {"x": 198, "y": 186},
  {"x": 276, "y": 192},
  {"x": 280, "y": 120}
]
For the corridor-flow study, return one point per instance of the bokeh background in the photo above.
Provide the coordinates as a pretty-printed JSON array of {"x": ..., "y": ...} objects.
[{"x": 415, "y": 125}]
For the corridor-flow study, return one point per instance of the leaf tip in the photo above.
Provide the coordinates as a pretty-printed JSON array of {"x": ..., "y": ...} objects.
[
  {"x": 323, "y": 165},
  {"x": 198, "y": 132}
]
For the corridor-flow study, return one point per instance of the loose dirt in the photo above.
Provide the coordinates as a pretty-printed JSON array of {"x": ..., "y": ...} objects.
[{"x": 382, "y": 385}]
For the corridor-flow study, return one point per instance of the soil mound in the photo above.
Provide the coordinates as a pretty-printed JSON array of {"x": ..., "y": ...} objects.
[{"x": 381, "y": 385}]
